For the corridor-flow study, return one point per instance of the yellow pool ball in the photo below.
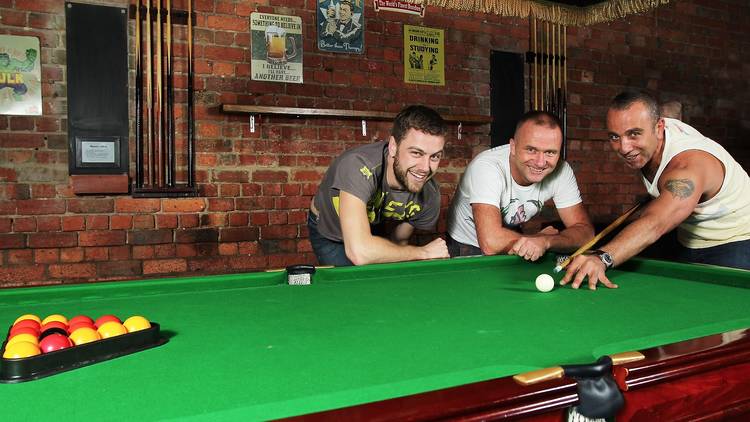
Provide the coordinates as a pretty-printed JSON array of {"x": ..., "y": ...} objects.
[
  {"x": 84, "y": 335},
  {"x": 55, "y": 317},
  {"x": 28, "y": 338},
  {"x": 21, "y": 349},
  {"x": 136, "y": 323},
  {"x": 111, "y": 329},
  {"x": 28, "y": 316}
]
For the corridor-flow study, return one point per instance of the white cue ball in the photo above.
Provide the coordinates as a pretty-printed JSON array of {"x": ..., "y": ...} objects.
[{"x": 545, "y": 283}]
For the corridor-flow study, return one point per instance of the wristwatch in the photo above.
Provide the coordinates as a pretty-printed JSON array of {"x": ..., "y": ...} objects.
[{"x": 605, "y": 257}]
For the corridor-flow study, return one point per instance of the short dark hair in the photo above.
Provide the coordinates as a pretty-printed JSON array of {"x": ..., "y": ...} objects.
[
  {"x": 625, "y": 99},
  {"x": 540, "y": 118},
  {"x": 421, "y": 118}
]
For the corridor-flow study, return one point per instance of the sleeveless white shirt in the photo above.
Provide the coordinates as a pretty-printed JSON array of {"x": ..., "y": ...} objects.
[{"x": 725, "y": 218}]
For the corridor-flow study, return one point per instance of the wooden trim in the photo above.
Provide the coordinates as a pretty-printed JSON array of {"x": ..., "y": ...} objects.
[
  {"x": 348, "y": 114},
  {"x": 90, "y": 184}
]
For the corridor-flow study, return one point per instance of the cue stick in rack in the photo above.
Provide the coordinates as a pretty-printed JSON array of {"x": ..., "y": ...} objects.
[
  {"x": 158, "y": 165},
  {"x": 149, "y": 95},
  {"x": 536, "y": 54},
  {"x": 191, "y": 141},
  {"x": 546, "y": 82},
  {"x": 169, "y": 125},
  {"x": 554, "y": 73},
  {"x": 138, "y": 98},
  {"x": 599, "y": 236}
]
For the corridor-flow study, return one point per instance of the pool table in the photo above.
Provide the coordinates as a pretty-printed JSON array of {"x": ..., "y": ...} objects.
[{"x": 418, "y": 340}]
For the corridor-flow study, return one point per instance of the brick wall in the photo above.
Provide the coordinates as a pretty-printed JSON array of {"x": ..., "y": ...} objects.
[{"x": 255, "y": 187}]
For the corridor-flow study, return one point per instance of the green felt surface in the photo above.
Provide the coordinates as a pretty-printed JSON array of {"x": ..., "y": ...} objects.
[{"x": 249, "y": 347}]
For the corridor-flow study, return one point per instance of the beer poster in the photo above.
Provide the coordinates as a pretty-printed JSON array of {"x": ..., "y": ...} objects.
[
  {"x": 276, "y": 48},
  {"x": 341, "y": 26},
  {"x": 424, "y": 55},
  {"x": 20, "y": 76}
]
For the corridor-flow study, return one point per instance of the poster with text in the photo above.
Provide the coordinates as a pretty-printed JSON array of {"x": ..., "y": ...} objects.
[
  {"x": 424, "y": 58},
  {"x": 341, "y": 26},
  {"x": 276, "y": 48},
  {"x": 20, "y": 76}
]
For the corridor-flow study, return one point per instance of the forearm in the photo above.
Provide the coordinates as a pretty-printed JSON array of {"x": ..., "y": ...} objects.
[
  {"x": 498, "y": 242},
  {"x": 378, "y": 250},
  {"x": 571, "y": 238},
  {"x": 636, "y": 237}
]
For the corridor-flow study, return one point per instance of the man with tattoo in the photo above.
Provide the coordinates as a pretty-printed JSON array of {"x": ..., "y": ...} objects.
[{"x": 698, "y": 188}]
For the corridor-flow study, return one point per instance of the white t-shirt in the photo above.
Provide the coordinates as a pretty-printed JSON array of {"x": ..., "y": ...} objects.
[{"x": 487, "y": 180}]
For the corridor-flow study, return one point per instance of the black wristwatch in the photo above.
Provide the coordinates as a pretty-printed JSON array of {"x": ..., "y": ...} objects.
[{"x": 605, "y": 257}]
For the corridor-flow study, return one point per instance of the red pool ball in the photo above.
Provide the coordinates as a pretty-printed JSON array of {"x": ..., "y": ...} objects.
[
  {"x": 28, "y": 323},
  {"x": 23, "y": 330},
  {"x": 80, "y": 318},
  {"x": 79, "y": 324},
  {"x": 106, "y": 318},
  {"x": 54, "y": 342},
  {"x": 54, "y": 324}
]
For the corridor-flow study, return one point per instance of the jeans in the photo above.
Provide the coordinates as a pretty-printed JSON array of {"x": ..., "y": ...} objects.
[
  {"x": 328, "y": 252},
  {"x": 456, "y": 248},
  {"x": 734, "y": 254}
]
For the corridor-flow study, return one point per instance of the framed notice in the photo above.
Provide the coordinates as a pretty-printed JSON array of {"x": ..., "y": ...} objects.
[
  {"x": 424, "y": 55},
  {"x": 20, "y": 76},
  {"x": 276, "y": 50},
  {"x": 97, "y": 152}
]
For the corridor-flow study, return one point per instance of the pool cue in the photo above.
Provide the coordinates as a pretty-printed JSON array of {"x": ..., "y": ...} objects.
[
  {"x": 169, "y": 167},
  {"x": 138, "y": 99},
  {"x": 191, "y": 140},
  {"x": 565, "y": 93},
  {"x": 149, "y": 95},
  {"x": 159, "y": 162},
  {"x": 536, "y": 68},
  {"x": 555, "y": 372},
  {"x": 546, "y": 82},
  {"x": 598, "y": 237},
  {"x": 553, "y": 100}
]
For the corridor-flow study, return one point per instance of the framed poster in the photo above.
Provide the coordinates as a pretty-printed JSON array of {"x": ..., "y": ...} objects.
[
  {"x": 341, "y": 26},
  {"x": 20, "y": 76},
  {"x": 276, "y": 49},
  {"x": 424, "y": 55}
]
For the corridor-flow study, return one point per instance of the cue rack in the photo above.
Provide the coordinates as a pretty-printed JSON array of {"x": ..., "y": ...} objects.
[
  {"x": 157, "y": 144},
  {"x": 548, "y": 70}
]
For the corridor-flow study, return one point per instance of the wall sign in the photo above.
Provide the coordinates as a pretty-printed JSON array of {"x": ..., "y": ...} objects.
[
  {"x": 276, "y": 48},
  {"x": 20, "y": 76},
  {"x": 424, "y": 55},
  {"x": 341, "y": 26}
]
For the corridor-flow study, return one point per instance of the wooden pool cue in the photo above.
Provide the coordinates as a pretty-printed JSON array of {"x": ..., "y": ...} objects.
[
  {"x": 149, "y": 95},
  {"x": 191, "y": 140},
  {"x": 598, "y": 237},
  {"x": 536, "y": 64},
  {"x": 159, "y": 160},
  {"x": 169, "y": 112},
  {"x": 138, "y": 99}
]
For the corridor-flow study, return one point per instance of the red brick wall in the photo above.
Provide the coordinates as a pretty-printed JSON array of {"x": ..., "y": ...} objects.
[{"x": 255, "y": 187}]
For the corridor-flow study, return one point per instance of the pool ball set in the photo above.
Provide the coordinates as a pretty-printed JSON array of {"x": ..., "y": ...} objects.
[{"x": 35, "y": 348}]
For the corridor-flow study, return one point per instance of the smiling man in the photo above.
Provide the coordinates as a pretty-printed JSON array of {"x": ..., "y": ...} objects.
[
  {"x": 385, "y": 182},
  {"x": 698, "y": 188},
  {"x": 506, "y": 186}
]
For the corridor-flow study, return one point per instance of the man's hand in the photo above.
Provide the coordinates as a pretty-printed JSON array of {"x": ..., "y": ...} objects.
[
  {"x": 435, "y": 249},
  {"x": 586, "y": 266},
  {"x": 533, "y": 247}
]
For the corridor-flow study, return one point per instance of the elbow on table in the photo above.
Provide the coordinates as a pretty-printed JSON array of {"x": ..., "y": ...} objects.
[{"x": 358, "y": 255}]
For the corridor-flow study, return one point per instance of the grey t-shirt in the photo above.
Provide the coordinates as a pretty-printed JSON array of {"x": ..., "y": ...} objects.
[{"x": 360, "y": 172}]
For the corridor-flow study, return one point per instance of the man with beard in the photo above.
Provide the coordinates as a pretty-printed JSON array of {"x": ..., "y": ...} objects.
[
  {"x": 506, "y": 186},
  {"x": 385, "y": 182},
  {"x": 697, "y": 187}
]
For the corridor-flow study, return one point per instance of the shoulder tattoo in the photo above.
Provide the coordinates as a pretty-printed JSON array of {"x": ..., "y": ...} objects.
[{"x": 681, "y": 188}]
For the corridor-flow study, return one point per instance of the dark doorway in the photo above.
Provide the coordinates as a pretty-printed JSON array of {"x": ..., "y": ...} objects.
[{"x": 506, "y": 95}]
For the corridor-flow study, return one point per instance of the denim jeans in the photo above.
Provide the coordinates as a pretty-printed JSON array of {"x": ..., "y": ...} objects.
[
  {"x": 328, "y": 252},
  {"x": 456, "y": 248},
  {"x": 735, "y": 255}
]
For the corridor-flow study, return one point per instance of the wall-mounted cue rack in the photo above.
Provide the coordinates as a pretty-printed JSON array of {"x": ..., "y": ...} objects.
[
  {"x": 157, "y": 146},
  {"x": 364, "y": 115},
  {"x": 548, "y": 70}
]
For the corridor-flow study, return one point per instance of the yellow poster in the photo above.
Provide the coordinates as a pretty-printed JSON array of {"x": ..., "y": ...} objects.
[{"x": 424, "y": 58}]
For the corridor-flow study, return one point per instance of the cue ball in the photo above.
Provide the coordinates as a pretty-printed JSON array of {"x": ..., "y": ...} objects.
[{"x": 545, "y": 283}]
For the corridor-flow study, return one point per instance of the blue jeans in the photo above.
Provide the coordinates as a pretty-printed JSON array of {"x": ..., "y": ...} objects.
[
  {"x": 735, "y": 255},
  {"x": 328, "y": 252},
  {"x": 456, "y": 248}
]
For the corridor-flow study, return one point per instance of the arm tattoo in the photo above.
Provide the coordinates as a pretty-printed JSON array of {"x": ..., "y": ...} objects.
[{"x": 681, "y": 188}]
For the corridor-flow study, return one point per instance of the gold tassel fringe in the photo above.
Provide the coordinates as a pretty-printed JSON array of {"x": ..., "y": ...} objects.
[{"x": 566, "y": 15}]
